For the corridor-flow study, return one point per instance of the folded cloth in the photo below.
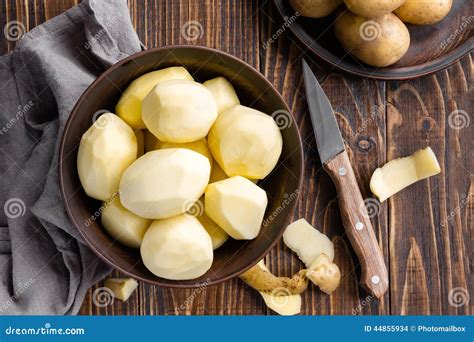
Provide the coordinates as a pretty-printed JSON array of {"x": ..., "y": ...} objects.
[{"x": 45, "y": 268}]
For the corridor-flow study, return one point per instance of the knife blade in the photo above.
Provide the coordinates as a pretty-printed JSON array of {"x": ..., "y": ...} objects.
[{"x": 336, "y": 162}]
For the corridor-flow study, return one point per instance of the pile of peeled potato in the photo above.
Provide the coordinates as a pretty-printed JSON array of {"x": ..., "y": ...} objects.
[
  {"x": 176, "y": 169},
  {"x": 374, "y": 30}
]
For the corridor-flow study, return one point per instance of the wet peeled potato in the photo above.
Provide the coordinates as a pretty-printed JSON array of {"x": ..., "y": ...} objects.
[
  {"x": 223, "y": 92},
  {"x": 373, "y": 8},
  {"x": 245, "y": 142},
  {"x": 424, "y": 12},
  {"x": 164, "y": 183},
  {"x": 237, "y": 205},
  {"x": 129, "y": 106},
  {"x": 399, "y": 173},
  {"x": 378, "y": 41},
  {"x": 315, "y": 8},
  {"x": 122, "y": 224},
  {"x": 105, "y": 151},
  {"x": 179, "y": 111},
  {"x": 177, "y": 248}
]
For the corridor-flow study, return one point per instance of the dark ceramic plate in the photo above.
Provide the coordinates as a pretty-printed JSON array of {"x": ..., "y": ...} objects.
[
  {"x": 432, "y": 47},
  {"x": 282, "y": 185}
]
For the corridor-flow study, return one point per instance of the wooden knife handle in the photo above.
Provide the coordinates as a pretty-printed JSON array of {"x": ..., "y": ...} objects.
[{"x": 358, "y": 226}]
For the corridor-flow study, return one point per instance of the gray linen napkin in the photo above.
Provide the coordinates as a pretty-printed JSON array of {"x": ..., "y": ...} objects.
[{"x": 44, "y": 266}]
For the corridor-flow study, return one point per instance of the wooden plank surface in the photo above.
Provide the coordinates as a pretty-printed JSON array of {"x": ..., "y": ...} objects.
[{"x": 425, "y": 232}]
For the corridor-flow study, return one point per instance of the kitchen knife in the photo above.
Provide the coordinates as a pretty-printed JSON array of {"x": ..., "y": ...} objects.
[{"x": 336, "y": 162}]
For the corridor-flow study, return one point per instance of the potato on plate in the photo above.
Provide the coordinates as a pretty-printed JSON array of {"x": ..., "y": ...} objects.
[
  {"x": 179, "y": 111},
  {"x": 237, "y": 205},
  {"x": 424, "y": 12},
  {"x": 245, "y": 142},
  {"x": 223, "y": 92},
  {"x": 164, "y": 183},
  {"x": 122, "y": 224},
  {"x": 177, "y": 248},
  {"x": 378, "y": 41},
  {"x": 106, "y": 149},
  {"x": 373, "y": 8}
]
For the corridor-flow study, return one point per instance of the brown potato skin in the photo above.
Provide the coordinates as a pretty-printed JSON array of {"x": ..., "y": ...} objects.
[
  {"x": 423, "y": 12},
  {"x": 315, "y": 8},
  {"x": 373, "y": 8},
  {"x": 378, "y": 42}
]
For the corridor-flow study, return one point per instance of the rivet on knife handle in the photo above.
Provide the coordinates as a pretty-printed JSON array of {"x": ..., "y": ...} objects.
[{"x": 357, "y": 224}]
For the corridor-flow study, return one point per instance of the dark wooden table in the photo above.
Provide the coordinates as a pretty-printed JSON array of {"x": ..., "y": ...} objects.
[{"x": 425, "y": 231}]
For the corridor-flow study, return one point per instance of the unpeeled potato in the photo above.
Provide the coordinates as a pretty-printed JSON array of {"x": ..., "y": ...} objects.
[
  {"x": 315, "y": 8},
  {"x": 378, "y": 42},
  {"x": 372, "y": 8},
  {"x": 424, "y": 12}
]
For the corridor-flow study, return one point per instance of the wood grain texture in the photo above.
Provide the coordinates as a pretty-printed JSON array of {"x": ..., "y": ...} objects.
[{"x": 425, "y": 231}]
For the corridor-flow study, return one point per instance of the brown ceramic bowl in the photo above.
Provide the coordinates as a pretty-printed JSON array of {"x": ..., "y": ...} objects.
[
  {"x": 432, "y": 47},
  {"x": 282, "y": 185}
]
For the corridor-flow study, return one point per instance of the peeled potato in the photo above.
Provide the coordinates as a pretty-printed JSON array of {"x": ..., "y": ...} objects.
[
  {"x": 122, "y": 224},
  {"x": 106, "y": 149},
  {"x": 245, "y": 142},
  {"x": 121, "y": 288},
  {"x": 177, "y": 248},
  {"x": 237, "y": 205},
  {"x": 179, "y": 111},
  {"x": 373, "y": 8},
  {"x": 307, "y": 242},
  {"x": 424, "y": 12},
  {"x": 129, "y": 107},
  {"x": 217, "y": 234},
  {"x": 199, "y": 146},
  {"x": 378, "y": 41},
  {"x": 399, "y": 173},
  {"x": 315, "y": 8},
  {"x": 223, "y": 93},
  {"x": 217, "y": 174},
  {"x": 164, "y": 183}
]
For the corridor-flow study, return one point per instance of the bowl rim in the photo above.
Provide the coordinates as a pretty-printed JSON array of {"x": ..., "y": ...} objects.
[
  {"x": 61, "y": 164},
  {"x": 386, "y": 74}
]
